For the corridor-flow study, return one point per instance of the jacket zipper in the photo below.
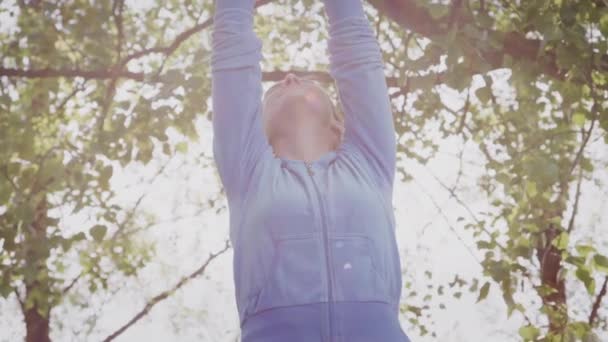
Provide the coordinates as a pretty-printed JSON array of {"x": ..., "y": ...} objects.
[{"x": 325, "y": 245}]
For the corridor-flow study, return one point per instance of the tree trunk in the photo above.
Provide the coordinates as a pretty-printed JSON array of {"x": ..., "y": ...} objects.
[
  {"x": 37, "y": 291},
  {"x": 550, "y": 260},
  {"x": 37, "y": 326}
]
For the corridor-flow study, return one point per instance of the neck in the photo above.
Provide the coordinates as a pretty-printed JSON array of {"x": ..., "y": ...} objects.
[
  {"x": 304, "y": 144},
  {"x": 302, "y": 138},
  {"x": 301, "y": 147}
]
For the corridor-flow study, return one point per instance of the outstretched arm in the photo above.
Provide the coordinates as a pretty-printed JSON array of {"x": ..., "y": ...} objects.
[
  {"x": 357, "y": 66},
  {"x": 238, "y": 135}
]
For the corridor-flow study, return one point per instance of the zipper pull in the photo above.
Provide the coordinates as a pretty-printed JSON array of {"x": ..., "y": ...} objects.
[{"x": 309, "y": 167}]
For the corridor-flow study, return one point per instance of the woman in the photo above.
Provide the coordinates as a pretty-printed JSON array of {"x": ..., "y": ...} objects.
[{"x": 309, "y": 194}]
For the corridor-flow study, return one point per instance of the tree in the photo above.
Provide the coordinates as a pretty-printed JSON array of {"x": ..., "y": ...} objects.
[
  {"x": 534, "y": 139},
  {"x": 66, "y": 124}
]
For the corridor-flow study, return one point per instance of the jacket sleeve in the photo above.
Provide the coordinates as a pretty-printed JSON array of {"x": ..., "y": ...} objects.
[
  {"x": 357, "y": 67},
  {"x": 236, "y": 82}
]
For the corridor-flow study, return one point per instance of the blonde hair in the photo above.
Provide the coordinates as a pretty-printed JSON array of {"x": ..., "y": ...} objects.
[{"x": 336, "y": 113}]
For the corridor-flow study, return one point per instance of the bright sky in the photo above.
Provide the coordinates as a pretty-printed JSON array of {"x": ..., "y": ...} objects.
[{"x": 205, "y": 310}]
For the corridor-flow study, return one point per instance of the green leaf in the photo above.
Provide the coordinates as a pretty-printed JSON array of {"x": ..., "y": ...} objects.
[
  {"x": 576, "y": 260},
  {"x": 586, "y": 164},
  {"x": 529, "y": 332},
  {"x": 66, "y": 244},
  {"x": 98, "y": 231},
  {"x": 590, "y": 336},
  {"x": 483, "y": 292},
  {"x": 78, "y": 237},
  {"x": 604, "y": 24},
  {"x": 542, "y": 170},
  {"x": 579, "y": 119},
  {"x": 484, "y": 94},
  {"x": 484, "y": 244},
  {"x": 105, "y": 175},
  {"x": 531, "y": 189},
  {"x": 416, "y": 310},
  {"x": 601, "y": 263},
  {"x": 195, "y": 82},
  {"x": 561, "y": 242},
  {"x": 5, "y": 191},
  {"x": 584, "y": 275},
  {"x": 5, "y": 290},
  {"x": 459, "y": 77},
  {"x": 182, "y": 147},
  {"x": 584, "y": 250}
]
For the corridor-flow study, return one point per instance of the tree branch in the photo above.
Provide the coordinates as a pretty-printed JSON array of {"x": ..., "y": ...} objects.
[
  {"x": 72, "y": 283},
  {"x": 413, "y": 17},
  {"x": 168, "y": 50},
  {"x": 115, "y": 71},
  {"x": 576, "y": 201},
  {"x": 103, "y": 74},
  {"x": 117, "y": 9},
  {"x": 598, "y": 300},
  {"x": 98, "y": 74},
  {"x": 165, "y": 294},
  {"x": 404, "y": 12}
]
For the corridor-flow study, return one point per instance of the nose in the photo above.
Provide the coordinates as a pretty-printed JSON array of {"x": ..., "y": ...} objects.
[{"x": 291, "y": 78}]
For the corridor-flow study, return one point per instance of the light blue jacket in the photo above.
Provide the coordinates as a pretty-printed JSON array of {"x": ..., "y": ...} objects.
[{"x": 306, "y": 233}]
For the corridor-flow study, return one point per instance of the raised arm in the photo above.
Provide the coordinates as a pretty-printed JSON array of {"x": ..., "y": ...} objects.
[
  {"x": 357, "y": 67},
  {"x": 238, "y": 135}
]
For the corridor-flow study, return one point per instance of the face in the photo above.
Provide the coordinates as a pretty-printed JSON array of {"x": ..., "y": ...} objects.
[{"x": 315, "y": 109}]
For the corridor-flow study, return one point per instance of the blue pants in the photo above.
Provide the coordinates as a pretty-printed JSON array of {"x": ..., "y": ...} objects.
[{"x": 350, "y": 322}]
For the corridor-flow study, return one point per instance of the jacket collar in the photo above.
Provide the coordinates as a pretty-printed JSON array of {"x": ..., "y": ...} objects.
[{"x": 321, "y": 162}]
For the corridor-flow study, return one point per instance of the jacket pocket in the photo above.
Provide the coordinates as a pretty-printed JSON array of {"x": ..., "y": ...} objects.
[
  {"x": 294, "y": 276},
  {"x": 356, "y": 275}
]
